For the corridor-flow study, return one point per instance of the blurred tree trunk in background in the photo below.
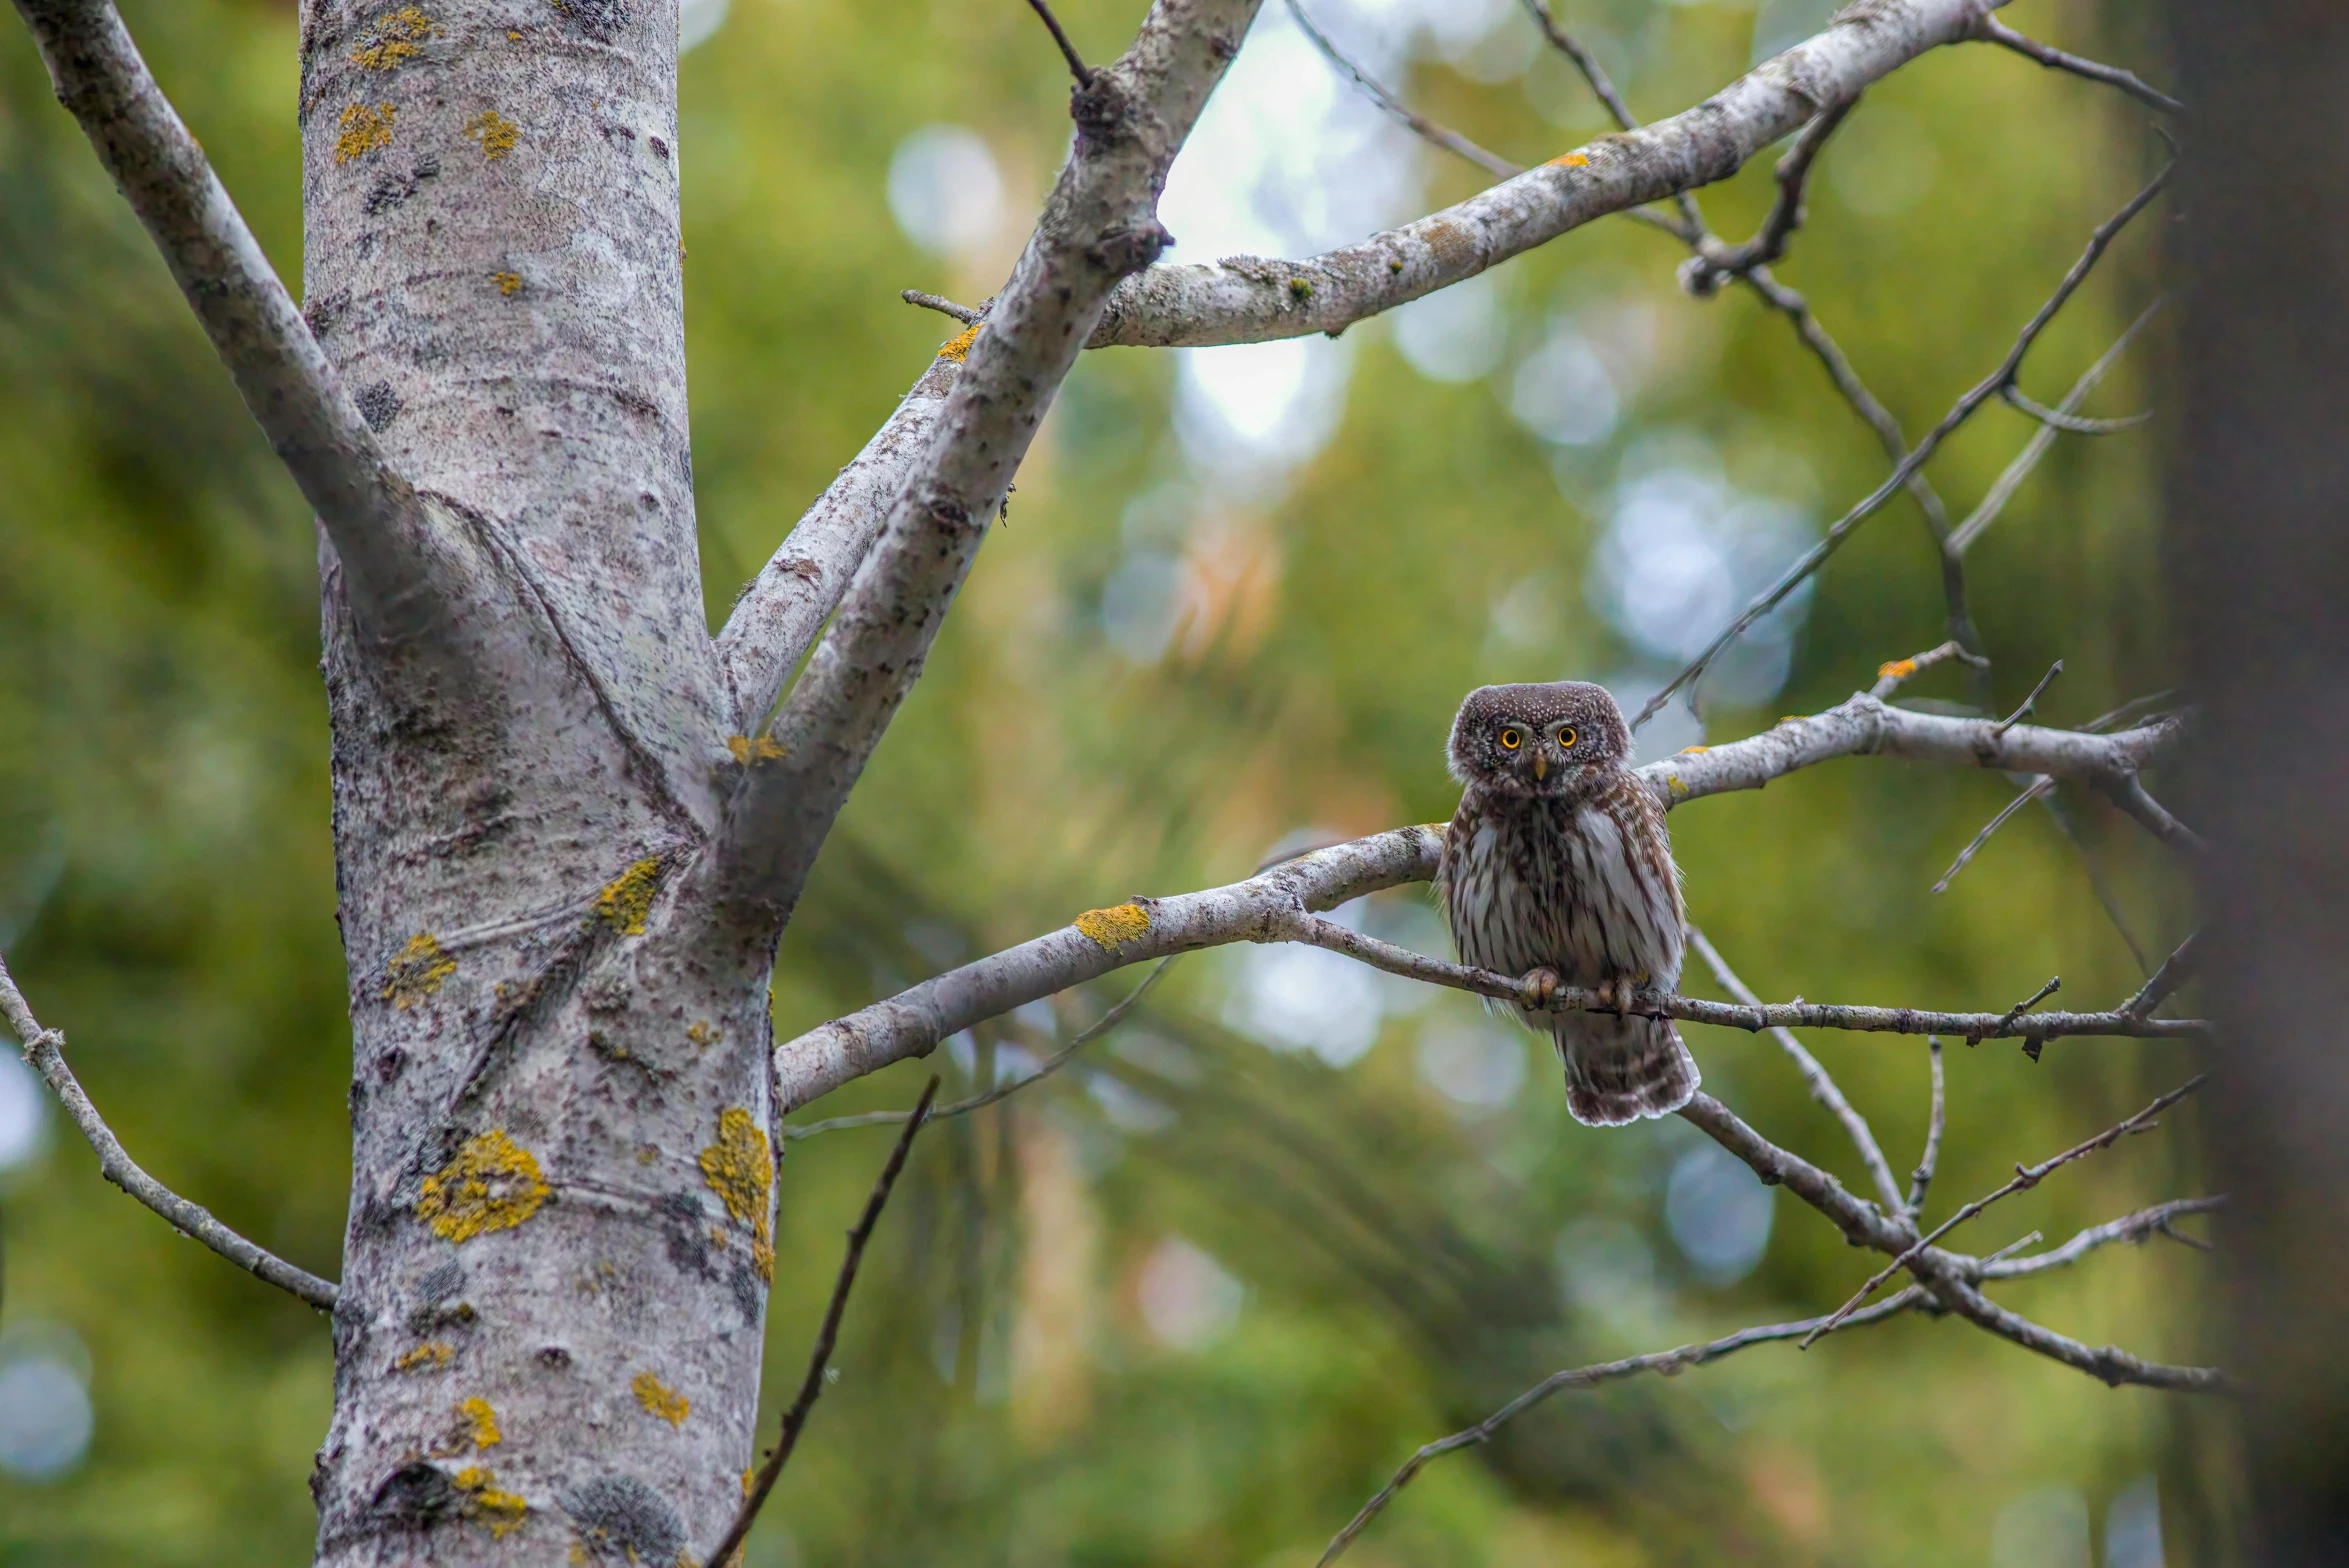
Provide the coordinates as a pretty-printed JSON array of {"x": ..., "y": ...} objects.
[{"x": 2260, "y": 585}]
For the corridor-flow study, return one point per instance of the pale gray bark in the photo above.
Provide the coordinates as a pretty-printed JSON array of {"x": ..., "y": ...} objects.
[{"x": 1248, "y": 299}]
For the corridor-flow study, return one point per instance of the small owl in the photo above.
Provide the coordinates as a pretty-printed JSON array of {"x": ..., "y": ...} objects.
[{"x": 1558, "y": 862}]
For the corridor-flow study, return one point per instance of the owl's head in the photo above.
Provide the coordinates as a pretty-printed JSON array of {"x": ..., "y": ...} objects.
[{"x": 1546, "y": 739}]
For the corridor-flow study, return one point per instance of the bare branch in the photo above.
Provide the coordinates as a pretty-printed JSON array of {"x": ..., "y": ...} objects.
[
  {"x": 1099, "y": 224},
  {"x": 1668, "y": 1363},
  {"x": 2030, "y": 703},
  {"x": 2070, "y": 424},
  {"x": 2044, "y": 437},
  {"x": 1944, "y": 1275},
  {"x": 811, "y": 1386},
  {"x": 1965, "y": 408},
  {"x": 2025, "y": 1179},
  {"x": 1045, "y": 1069},
  {"x": 2038, "y": 788},
  {"x": 1247, "y": 299},
  {"x": 1068, "y": 50},
  {"x": 2174, "y": 972},
  {"x": 2130, "y": 794},
  {"x": 1823, "y": 1088},
  {"x": 1419, "y": 124},
  {"x": 44, "y": 1051},
  {"x": 1991, "y": 30},
  {"x": 1273, "y": 906},
  {"x": 968, "y": 315},
  {"x": 2138, "y": 1227},
  {"x": 1891, "y": 676},
  {"x": 1691, "y": 224},
  {"x": 779, "y": 612},
  {"x": 1714, "y": 263},
  {"x": 1921, "y": 1179},
  {"x": 402, "y": 561}
]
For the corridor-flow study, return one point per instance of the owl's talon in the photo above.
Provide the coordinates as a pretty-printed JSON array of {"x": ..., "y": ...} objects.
[{"x": 1543, "y": 983}]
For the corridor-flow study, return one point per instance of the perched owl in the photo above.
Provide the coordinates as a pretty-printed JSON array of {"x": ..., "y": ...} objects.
[{"x": 1558, "y": 861}]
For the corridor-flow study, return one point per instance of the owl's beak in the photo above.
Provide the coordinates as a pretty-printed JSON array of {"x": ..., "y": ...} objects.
[{"x": 1541, "y": 765}]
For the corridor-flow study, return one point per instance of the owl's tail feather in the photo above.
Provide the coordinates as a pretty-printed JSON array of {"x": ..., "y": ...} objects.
[{"x": 1621, "y": 1069}]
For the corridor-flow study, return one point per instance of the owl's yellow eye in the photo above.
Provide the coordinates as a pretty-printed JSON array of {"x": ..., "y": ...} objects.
[
  {"x": 1512, "y": 738},
  {"x": 1566, "y": 737}
]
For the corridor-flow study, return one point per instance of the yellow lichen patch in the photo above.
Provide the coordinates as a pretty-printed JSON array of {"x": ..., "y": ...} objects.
[
  {"x": 434, "y": 1355},
  {"x": 1300, "y": 288},
  {"x": 748, "y": 1474},
  {"x": 364, "y": 130},
  {"x": 1676, "y": 787},
  {"x": 740, "y": 1168},
  {"x": 1572, "y": 160},
  {"x": 749, "y": 749},
  {"x": 495, "y": 132},
  {"x": 416, "y": 971},
  {"x": 501, "y": 1511},
  {"x": 1690, "y": 751},
  {"x": 492, "y": 1184},
  {"x": 509, "y": 283},
  {"x": 624, "y": 903},
  {"x": 958, "y": 347},
  {"x": 666, "y": 1403},
  {"x": 485, "y": 1421},
  {"x": 1112, "y": 929},
  {"x": 703, "y": 1035},
  {"x": 393, "y": 38}
]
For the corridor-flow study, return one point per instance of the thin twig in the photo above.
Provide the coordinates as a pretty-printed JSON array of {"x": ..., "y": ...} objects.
[
  {"x": 1892, "y": 675},
  {"x": 2129, "y": 710},
  {"x": 1991, "y": 30},
  {"x": 1692, "y": 219},
  {"x": 2026, "y": 1177},
  {"x": 1528, "y": 993},
  {"x": 2031, "y": 702},
  {"x": 1714, "y": 262},
  {"x": 811, "y": 1386},
  {"x": 1815, "y": 557},
  {"x": 2131, "y": 795},
  {"x": 1442, "y": 136},
  {"x": 2174, "y": 972},
  {"x": 2140, "y": 1226},
  {"x": 2038, "y": 788},
  {"x": 44, "y": 1052},
  {"x": 1822, "y": 1086},
  {"x": 2054, "y": 984},
  {"x": 1050, "y": 1065},
  {"x": 1068, "y": 50},
  {"x": 1667, "y": 1362},
  {"x": 2071, "y": 424},
  {"x": 965, "y": 314},
  {"x": 2044, "y": 437},
  {"x": 1921, "y": 1179}
]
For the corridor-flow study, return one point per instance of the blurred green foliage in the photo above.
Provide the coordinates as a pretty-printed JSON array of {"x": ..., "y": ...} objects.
[{"x": 166, "y": 886}]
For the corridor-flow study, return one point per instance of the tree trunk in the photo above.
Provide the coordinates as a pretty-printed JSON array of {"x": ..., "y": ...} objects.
[
  {"x": 2260, "y": 569},
  {"x": 559, "y": 1249}
]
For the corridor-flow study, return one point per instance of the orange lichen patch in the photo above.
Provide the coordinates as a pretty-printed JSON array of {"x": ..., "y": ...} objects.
[
  {"x": 1690, "y": 751},
  {"x": 958, "y": 347},
  {"x": 501, "y": 1511},
  {"x": 509, "y": 283},
  {"x": 740, "y": 1168},
  {"x": 1572, "y": 160},
  {"x": 492, "y": 1184},
  {"x": 666, "y": 1403},
  {"x": 1111, "y": 929},
  {"x": 393, "y": 38},
  {"x": 749, "y": 749},
  {"x": 1896, "y": 669},
  {"x": 416, "y": 971},
  {"x": 495, "y": 132},
  {"x": 432, "y": 1355},
  {"x": 364, "y": 130},
  {"x": 627, "y": 900},
  {"x": 484, "y": 1420}
]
